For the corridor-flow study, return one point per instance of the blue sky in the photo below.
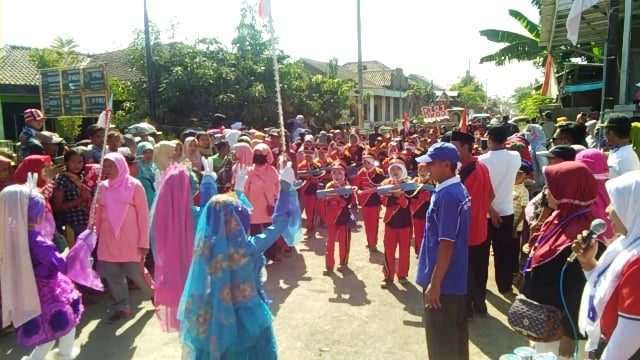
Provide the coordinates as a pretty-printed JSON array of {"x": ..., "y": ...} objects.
[{"x": 436, "y": 39}]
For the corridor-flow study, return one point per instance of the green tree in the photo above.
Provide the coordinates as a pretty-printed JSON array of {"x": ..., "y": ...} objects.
[
  {"x": 471, "y": 92},
  {"x": 419, "y": 95},
  {"x": 201, "y": 79},
  {"x": 530, "y": 105},
  {"x": 62, "y": 53}
]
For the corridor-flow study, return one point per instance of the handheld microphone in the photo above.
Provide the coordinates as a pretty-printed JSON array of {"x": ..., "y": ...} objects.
[{"x": 597, "y": 228}]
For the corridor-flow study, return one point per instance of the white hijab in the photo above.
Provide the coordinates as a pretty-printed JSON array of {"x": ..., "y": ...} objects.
[
  {"x": 20, "y": 301},
  {"x": 624, "y": 192}
]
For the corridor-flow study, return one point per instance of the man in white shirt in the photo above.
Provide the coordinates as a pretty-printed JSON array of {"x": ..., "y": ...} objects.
[
  {"x": 503, "y": 168},
  {"x": 622, "y": 157}
]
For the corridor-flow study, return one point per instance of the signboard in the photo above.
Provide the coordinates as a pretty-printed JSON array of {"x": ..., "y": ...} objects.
[
  {"x": 435, "y": 112},
  {"x": 75, "y": 91},
  {"x": 95, "y": 104}
]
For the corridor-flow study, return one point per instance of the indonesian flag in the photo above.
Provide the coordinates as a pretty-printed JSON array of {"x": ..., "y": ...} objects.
[
  {"x": 575, "y": 15},
  {"x": 264, "y": 9},
  {"x": 406, "y": 123},
  {"x": 464, "y": 122},
  {"x": 550, "y": 84}
]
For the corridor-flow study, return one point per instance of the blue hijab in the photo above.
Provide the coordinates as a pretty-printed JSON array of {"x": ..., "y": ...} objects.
[{"x": 223, "y": 310}]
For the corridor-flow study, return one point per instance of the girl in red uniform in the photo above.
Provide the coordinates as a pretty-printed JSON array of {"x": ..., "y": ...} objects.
[
  {"x": 369, "y": 177},
  {"x": 397, "y": 230},
  {"x": 311, "y": 185},
  {"x": 337, "y": 218},
  {"x": 419, "y": 206}
]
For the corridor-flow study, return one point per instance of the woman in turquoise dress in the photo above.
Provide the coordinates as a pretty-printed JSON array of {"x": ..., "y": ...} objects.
[
  {"x": 224, "y": 312},
  {"x": 147, "y": 170}
]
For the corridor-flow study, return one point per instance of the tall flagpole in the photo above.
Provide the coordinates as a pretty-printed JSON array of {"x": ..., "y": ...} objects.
[
  {"x": 360, "y": 76},
  {"x": 276, "y": 70},
  {"x": 149, "y": 64}
]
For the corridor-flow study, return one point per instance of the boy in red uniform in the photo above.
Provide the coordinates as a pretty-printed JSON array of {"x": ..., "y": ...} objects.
[
  {"x": 369, "y": 177},
  {"x": 397, "y": 230},
  {"x": 419, "y": 206},
  {"x": 311, "y": 185},
  {"x": 337, "y": 218}
]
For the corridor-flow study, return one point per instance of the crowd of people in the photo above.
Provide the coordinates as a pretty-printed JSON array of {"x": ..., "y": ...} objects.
[{"x": 191, "y": 220}]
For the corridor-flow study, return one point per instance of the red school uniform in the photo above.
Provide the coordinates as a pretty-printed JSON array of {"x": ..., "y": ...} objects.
[
  {"x": 337, "y": 216},
  {"x": 308, "y": 192},
  {"x": 369, "y": 202},
  {"x": 397, "y": 234},
  {"x": 419, "y": 206}
]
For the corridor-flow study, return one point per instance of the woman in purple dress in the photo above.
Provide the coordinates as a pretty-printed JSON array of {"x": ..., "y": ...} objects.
[{"x": 37, "y": 296}]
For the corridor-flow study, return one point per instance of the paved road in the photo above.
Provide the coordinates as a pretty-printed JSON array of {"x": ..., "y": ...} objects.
[{"x": 346, "y": 316}]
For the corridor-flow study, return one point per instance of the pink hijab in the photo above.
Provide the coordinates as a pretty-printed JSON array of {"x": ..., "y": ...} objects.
[
  {"x": 243, "y": 153},
  {"x": 117, "y": 193},
  {"x": 596, "y": 161},
  {"x": 173, "y": 230},
  {"x": 264, "y": 149}
]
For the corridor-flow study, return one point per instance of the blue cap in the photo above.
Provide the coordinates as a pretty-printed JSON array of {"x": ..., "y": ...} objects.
[{"x": 440, "y": 151}]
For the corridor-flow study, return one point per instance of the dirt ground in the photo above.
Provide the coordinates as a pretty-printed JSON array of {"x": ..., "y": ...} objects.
[{"x": 346, "y": 316}]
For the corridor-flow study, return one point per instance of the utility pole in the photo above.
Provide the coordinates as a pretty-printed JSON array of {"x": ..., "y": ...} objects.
[
  {"x": 360, "y": 76},
  {"x": 149, "y": 65}
]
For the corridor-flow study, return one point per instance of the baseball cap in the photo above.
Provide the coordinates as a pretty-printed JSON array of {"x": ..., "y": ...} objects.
[
  {"x": 440, "y": 151},
  {"x": 564, "y": 152},
  {"x": 32, "y": 114},
  {"x": 47, "y": 137}
]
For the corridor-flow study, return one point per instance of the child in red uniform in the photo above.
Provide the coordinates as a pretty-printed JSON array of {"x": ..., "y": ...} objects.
[
  {"x": 311, "y": 185},
  {"x": 369, "y": 177},
  {"x": 397, "y": 230},
  {"x": 419, "y": 206},
  {"x": 337, "y": 217}
]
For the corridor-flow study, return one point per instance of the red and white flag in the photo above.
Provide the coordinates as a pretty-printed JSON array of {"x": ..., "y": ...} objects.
[
  {"x": 264, "y": 9},
  {"x": 550, "y": 84},
  {"x": 464, "y": 122},
  {"x": 406, "y": 123}
]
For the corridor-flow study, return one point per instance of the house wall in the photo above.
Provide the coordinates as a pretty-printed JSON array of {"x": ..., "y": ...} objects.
[{"x": 11, "y": 114}]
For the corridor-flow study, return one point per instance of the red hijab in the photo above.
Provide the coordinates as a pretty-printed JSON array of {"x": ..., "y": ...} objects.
[
  {"x": 32, "y": 164},
  {"x": 575, "y": 189}
]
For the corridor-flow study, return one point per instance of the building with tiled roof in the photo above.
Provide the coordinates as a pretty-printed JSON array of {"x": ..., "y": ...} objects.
[
  {"x": 384, "y": 87},
  {"x": 20, "y": 81}
]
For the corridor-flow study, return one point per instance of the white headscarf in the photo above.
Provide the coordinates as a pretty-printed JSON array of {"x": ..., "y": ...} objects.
[
  {"x": 20, "y": 301},
  {"x": 232, "y": 137},
  {"x": 624, "y": 192},
  {"x": 402, "y": 168}
]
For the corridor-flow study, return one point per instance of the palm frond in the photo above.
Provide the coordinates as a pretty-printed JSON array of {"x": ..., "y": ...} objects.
[
  {"x": 520, "y": 51},
  {"x": 537, "y": 4},
  {"x": 532, "y": 28},
  {"x": 503, "y": 36}
]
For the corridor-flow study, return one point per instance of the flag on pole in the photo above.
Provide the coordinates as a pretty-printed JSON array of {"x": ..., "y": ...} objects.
[
  {"x": 550, "y": 84},
  {"x": 264, "y": 9},
  {"x": 464, "y": 122},
  {"x": 406, "y": 123},
  {"x": 575, "y": 15}
]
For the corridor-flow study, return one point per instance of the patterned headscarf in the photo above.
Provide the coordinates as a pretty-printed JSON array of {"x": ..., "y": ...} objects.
[{"x": 222, "y": 304}]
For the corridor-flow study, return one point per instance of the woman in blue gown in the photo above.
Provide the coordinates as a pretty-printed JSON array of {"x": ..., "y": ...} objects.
[{"x": 224, "y": 311}]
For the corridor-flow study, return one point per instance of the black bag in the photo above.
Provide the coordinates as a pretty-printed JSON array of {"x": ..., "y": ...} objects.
[{"x": 538, "y": 322}]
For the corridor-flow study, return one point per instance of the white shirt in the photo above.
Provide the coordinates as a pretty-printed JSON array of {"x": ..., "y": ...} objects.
[
  {"x": 503, "y": 168},
  {"x": 622, "y": 160}
]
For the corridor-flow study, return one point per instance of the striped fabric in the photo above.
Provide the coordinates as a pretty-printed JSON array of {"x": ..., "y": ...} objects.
[{"x": 32, "y": 114}]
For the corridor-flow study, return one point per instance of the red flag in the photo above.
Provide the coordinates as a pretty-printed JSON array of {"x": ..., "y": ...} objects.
[
  {"x": 264, "y": 9},
  {"x": 464, "y": 122}
]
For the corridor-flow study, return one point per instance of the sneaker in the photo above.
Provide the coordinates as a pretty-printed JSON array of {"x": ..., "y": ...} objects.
[
  {"x": 119, "y": 315},
  {"x": 327, "y": 272},
  {"x": 403, "y": 280}
]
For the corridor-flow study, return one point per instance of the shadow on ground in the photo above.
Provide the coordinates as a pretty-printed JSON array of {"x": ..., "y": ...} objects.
[
  {"x": 349, "y": 289},
  {"x": 284, "y": 277}
]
